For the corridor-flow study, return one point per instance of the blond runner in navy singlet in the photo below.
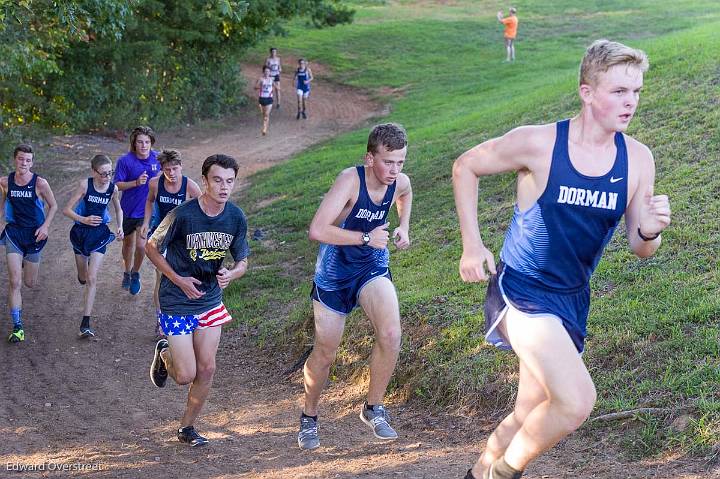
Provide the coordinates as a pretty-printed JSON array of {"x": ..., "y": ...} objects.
[{"x": 576, "y": 179}]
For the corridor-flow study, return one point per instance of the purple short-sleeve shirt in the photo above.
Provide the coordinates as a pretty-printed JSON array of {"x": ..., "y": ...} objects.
[{"x": 129, "y": 168}]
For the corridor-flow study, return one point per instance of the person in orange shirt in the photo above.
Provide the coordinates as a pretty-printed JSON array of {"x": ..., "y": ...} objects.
[{"x": 511, "y": 24}]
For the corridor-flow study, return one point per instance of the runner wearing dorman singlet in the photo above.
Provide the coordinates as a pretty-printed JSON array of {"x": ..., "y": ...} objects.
[
  {"x": 29, "y": 209},
  {"x": 353, "y": 268},
  {"x": 90, "y": 235},
  {"x": 165, "y": 192},
  {"x": 303, "y": 77},
  {"x": 576, "y": 179}
]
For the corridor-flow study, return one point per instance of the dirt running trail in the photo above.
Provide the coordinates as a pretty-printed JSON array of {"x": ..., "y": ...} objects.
[{"x": 66, "y": 402}]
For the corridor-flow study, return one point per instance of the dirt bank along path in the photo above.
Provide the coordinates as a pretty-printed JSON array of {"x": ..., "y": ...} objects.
[{"x": 70, "y": 402}]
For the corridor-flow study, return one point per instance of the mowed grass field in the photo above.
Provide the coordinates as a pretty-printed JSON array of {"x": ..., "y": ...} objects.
[{"x": 653, "y": 328}]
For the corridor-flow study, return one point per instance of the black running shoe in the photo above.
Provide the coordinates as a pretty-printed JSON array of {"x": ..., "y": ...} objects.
[
  {"x": 158, "y": 372},
  {"x": 304, "y": 115},
  {"x": 298, "y": 115},
  {"x": 87, "y": 333},
  {"x": 190, "y": 436}
]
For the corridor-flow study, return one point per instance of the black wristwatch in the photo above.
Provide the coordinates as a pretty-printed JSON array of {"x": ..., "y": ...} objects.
[
  {"x": 647, "y": 238},
  {"x": 366, "y": 239}
]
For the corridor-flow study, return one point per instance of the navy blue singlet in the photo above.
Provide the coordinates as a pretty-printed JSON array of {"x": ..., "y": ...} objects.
[
  {"x": 166, "y": 201},
  {"x": 302, "y": 77},
  {"x": 23, "y": 206},
  {"x": 337, "y": 266},
  {"x": 95, "y": 203},
  {"x": 558, "y": 241}
]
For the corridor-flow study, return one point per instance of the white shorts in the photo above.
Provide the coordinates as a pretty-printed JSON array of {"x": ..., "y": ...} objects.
[{"x": 303, "y": 93}]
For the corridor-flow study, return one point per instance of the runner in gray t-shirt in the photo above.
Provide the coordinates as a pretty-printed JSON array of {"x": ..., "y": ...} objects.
[{"x": 196, "y": 236}]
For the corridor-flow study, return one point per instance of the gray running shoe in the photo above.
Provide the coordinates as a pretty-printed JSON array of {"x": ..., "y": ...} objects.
[
  {"x": 378, "y": 419},
  {"x": 308, "y": 435}
]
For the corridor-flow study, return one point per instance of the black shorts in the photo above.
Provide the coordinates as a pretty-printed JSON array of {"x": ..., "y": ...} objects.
[
  {"x": 130, "y": 225},
  {"x": 276, "y": 79},
  {"x": 265, "y": 101}
]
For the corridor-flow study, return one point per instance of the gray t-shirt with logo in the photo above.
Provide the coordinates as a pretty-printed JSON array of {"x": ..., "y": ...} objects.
[{"x": 196, "y": 245}]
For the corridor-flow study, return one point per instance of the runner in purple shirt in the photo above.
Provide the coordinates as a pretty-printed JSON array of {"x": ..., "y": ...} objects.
[{"x": 134, "y": 169}]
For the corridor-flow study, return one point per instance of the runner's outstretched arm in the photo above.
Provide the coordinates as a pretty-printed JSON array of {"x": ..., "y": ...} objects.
[
  {"x": 152, "y": 193},
  {"x": 69, "y": 209},
  {"x": 516, "y": 150},
  {"x": 225, "y": 276},
  {"x": 404, "y": 207},
  {"x": 163, "y": 233},
  {"x": 193, "y": 189},
  {"x": 46, "y": 194},
  {"x": 647, "y": 214},
  {"x": 119, "y": 234},
  {"x": 3, "y": 187}
]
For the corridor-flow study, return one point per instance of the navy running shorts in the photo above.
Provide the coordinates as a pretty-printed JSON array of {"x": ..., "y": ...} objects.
[
  {"x": 86, "y": 239},
  {"x": 343, "y": 301},
  {"x": 21, "y": 240},
  {"x": 528, "y": 296}
]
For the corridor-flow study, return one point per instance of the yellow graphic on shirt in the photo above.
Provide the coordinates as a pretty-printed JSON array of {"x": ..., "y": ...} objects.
[
  {"x": 210, "y": 254},
  {"x": 212, "y": 245}
]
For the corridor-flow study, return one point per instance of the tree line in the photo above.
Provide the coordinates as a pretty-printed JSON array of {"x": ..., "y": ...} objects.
[{"x": 80, "y": 65}]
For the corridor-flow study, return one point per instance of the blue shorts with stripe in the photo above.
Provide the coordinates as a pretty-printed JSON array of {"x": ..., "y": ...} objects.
[
  {"x": 21, "y": 240},
  {"x": 528, "y": 296},
  {"x": 344, "y": 300}
]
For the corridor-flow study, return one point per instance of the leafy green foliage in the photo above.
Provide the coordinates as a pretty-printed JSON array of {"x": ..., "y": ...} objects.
[{"x": 107, "y": 64}]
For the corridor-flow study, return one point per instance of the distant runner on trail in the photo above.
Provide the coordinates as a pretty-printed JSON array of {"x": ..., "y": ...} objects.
[
  {"x": 25, "y": 196},
  {"x": 188, "y": 248},
  {"x": 264, "y": 87},
  {"x": 510, "y": 33},
  {"x": 134, "y": 169},
  {"x": 303, "y": 77},
  {"x": 273, "y": 63},
  {"x": 576, "y": 179},
  {"x": 353, "y": 267},
  {"x": 165, "y": 192},
  {"x": 90, "y": 235}
]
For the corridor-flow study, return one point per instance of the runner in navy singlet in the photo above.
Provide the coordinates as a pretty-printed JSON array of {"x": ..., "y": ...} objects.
[
  {"x": 303, "y": 77},
  {"x": 90, "y": 235},
  {"x": 165, "y": 192},
  {"x": 26, "y": 197},
  {"x": 576, "y": 179},
  {"x": 353, "y": 268}
]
